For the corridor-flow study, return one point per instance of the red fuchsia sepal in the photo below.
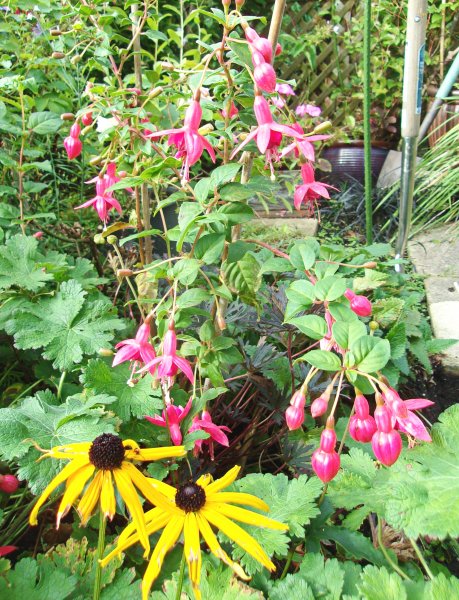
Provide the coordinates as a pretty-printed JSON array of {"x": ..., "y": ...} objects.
[
  {"x": 294, "y": 415},
  {"x": 9, "y": 484},
  {"x": 310, "y": 190},
  {"x": 4, "y": 550},
  {"x": 386, "y": 442},
  {"x": 232, "y": 112},
  {"x": 403, "y": 418},
  {"x": 362, "y": 425},
  {"x": 360, "y": 305},
  {"x": 259, "y": 44},
  {"x": 171, "y": 418},
  {"x": 304, "y": 146},
  {"x": 215, "y": 432},
  {"x": 325, "y": 460},
  {"x": 189, "y": 142},
  {"x": 138, "y": 349},
  {"x": 169, "y": 362}
]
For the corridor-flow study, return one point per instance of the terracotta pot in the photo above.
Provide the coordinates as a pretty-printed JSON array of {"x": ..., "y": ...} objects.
[
  {"x": 447, "y": 117},
  {"x": 347, "y": 162}
]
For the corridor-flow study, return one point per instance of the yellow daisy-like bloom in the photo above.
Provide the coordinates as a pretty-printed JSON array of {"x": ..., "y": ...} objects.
[
  {"x": 109, "y": 459},
  {"x": 193, "y": 508}
]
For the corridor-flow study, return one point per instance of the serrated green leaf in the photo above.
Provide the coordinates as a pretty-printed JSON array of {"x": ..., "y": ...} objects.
[
  {"x": 387, "y": 311},
  {"x": 313, "y": 326},
  {"x": 323, "y": 359},
  {"x": 244, "y": 278},
  {"x": 224, "y": 174},
  {"x": 209, "y": 248},
  {"x": 301, "y": 293},
  {"x": 27, "y": 580},
  {"x": 346, "y": 333},
  {"x": 20, "y": 264},
  {"x": 397, "y": 340},
  {"x": 379, "y": 584},
  {"x": 44, "y": 123}
]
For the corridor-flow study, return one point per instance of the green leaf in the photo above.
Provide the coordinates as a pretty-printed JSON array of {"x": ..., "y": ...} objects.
[
  {"x": 209, "y": 248},
  {"x": 202, "y": 189},
  {"x": 388, "y": 310},
  {"x": 138, "y": 400},
  {"x": 397, "y": 340},
  {"x": 346, "y": 333},
  {"x": 186, "y": 270},
  {"x": 302, "y": 256},
  {"x": 341, "y": 312},
  {"x": 370, "y": 354},
  {"x": 379, "y": 584},
  {"x": 371, "y": 280},
  {"x": 223, "y": 174},
  {"x": 67, "y": 326},
  {"x": 235, "y": 192},
  {"x": 20, "y": 264},
  {"x": 330, "y": 288},
  {"x": 44, "y": 123},
  {"x": 192, "y": 297},
  {"x": 322, "y": 359},
  {"x": 354, "y": 543},
  {"x": 27, "y": 580},
  {"x": 313, "y": 326},
  {"x": 301, "y": 292},
  {"x": 236, "y": 213},
  {"x": 244, "y": 278}
]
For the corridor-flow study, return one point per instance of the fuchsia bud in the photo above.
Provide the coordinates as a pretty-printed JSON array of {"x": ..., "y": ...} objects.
[
  {"x": 86, "y": 119},
  {"x": 294, "y": 415},
  {"x": 264, "y": 46},
  {"x": 73, "y": 147},
  {"x": 386, "y": 442},
  {"x": 362, "y": 426},
  {"x": 319, "y": 407},
  {"x": 38, "y": 234},
  {"x": 325, "y": 460},
  {"x": 359, "y": 304},
  {"x": 265, "y": 77},
  {"x": 278, "y": 49},
  {"x": 8, "y": 483},
  {"x": 232, "y": 112}
]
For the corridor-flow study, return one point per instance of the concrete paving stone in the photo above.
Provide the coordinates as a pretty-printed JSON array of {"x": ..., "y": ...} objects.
[
  {"x": 305, "y": 226},
  {"x": 445, "y": 324},
  {"x": 436, "y": 252}
]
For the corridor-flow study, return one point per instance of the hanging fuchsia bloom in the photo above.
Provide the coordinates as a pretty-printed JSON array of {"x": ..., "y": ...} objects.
[
  {"x": 362, "y": 425},
  {"x": 104, "y": 201},
  {"x": 87, "y": 119},
  {"x": 268, "y": 134},
  {"x": 278, "y": 102},
  {"x": 232, "y": 113},
  {"x": 263, "y": 73},
  {"x": 325, "y": 460},
  {"x": 304, "y": 145},
  {"x": 403, "y": 417},
  {"x": 285, "y": 89},
  {"x": 137, "y": 350},
  {"x": 320, "y": 405},
  {"x": 169, "y": 363},
  {"x": 359, "y": 304},
  {"x": 294, "y": 415},
  {"x": 4, "y": 550},
  {"x": 171, "y": 418},
  {"x": 386, "y": 442},
  {"x": 308, "y": 109},
  {"x": 189, "y": 142},
  {"x": 8, "y": 484},
  {"x": 259, "y": 44},
  {"x": 72, "y": 144},
  {"x": 310, "y": 190},
  {"x": 215, "y": 432}
]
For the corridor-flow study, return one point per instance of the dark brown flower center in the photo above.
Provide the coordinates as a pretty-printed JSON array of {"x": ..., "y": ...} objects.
[
  {"x": 107, "y": 452},
  {"x": 190, "y": 497}
]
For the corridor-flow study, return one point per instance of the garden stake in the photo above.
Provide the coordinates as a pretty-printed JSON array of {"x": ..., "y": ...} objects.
[
  {"x": 366, "y": 121},
  {"x": 276, "y": 22}
]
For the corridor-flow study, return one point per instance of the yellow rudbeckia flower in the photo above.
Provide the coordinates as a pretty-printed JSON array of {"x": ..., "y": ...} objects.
[
  {"x": 109, "y": 459},
  {"x": 193, "y": 508}
]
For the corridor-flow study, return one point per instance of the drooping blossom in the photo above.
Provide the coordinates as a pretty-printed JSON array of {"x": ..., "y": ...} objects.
[
  {"x": 386, "y": 441},
  {"x": 137, "y": 350},
  {"x": 9, "y": 483},
  {"x": 263, "y": 73},
  {"x": 307, "y": 109},
  {"x": 215, "y": 432},
  {"x": 72, "y": 144},
  {"x": 362, "y": 425},
  {"x": 268, "y": 134},
  {"x": 232, "y": 112},
  {"x": 169, "y": 362},
  {"x": 104, "y": 200},
  {"x": 285, "y": 89},
  {"x": 294, "y": 415},
  {"x": 360, "y": 305},
  {"x": 304, "y": 145},
  {"x": 325, "y": 460},
  {"x": 310, "y": 190},
  {"x": 171, "y": 418},
  {"x": 189, "y": 142},
  {"x": 259, "y": 44},
  {"x": 403, "y": 417}
]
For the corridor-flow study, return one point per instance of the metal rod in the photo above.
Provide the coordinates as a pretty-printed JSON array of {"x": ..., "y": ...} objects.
[{"x": 366, "y": 121}]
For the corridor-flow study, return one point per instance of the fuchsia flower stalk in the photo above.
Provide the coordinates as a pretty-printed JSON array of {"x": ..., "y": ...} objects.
[
  {"x": 386, "y": 442},
  {"x": 169, "y": 363},
  {"x": 310, "y": 190},
  {"x": 362, "y": 425},
  {"x": 171, "y": 418},
  {"x": 325, "y": 460},
  {"x": 104, "y": 201},
  {"x": 215, "y": 432},
  {"x": 359, "y": 304},
  {"x": 189, "y": 142},
  {"x": 137, "y": 350},
  {"x": 294, "y": 415},
  {"x": 8, "y": 484},
  {"x": 72, "y": 144}
]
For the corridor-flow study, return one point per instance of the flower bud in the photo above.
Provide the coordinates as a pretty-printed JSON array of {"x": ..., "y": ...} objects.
[
  {"x": 38, "y": 234},
  {"x": 362, "y": 426},
  {"x": 226, "y": 2},
  {"x": 221, "y": 322},
  {"x": 373, "y": 325},
  {"x": 76, "y": 58},
  {"x": 232, "y": 112},
  {"x": 67, "y": 116},
  {"x": 265, "y": 77},
  {"x": 264, "y": 46},
  {"x": 157, "y": 91},
  {"x": 360, "y": 305},
  {"x": 387, "y": 446},
  {"x": 75, "y": 130},
  {"x": 55, "y": 32},
  {"x": 278, "y": 49},
  {"x": 294, "y": 417},
  {"x": 105, "y": 352},
  {"x": 95, "y": 160},
  {"x": 112, "y": 239},
  {"x": 319, "y": 407},
  {"x": 370, "y": 265},
  {"x": 99, "y": 239},
  {"x": 383, "y": 419},
  {"x": 322, "y": 127},
  {"x": 325, "y": 460},
  {"x": 57, "y": 55},
  {"x": 124, "y": 273},
  {"x": 9, "y": 483},
  {"x": 87, "y": 119},
  {"x": 73, "y": 146},
  {"x": 239, "y": 4}
]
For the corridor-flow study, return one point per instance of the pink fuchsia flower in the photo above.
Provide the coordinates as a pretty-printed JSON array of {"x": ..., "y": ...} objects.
[
  {"x": 104, "y": 201},
  {"x": 171, "y": 418},
  {"x": 362, "y": 425},
  {"x": 8, "y": 484},
  {"x": 386, "y": 442},
  {"x": 294, "y": 415},
  {"x": 72, "y": 144},
  {"x": 4, "y": 550},
  {"x": 320, "y": 405},
  {"x": 189, "y": 142},
  {"x": 360, "y": 305},
  {"x": 169, "y": 362},
  {"x": 310, "y": 190},
  {"x": 138, "y": 349},
  {"x": 215, "y": 432},
  {"x": 325, "y": 460},
  {"x": 87, "y": 119},
  {"x": 38, "y": 235},
  {"x": 307, "y": 109},
  {"x": 259, "y": 44},
  {"x": 278, "y": 102},
  {"x": 304, "y": 145},
  {"x": 403, "y": 417},
  {"x": 232, "y": 112},
  {"x": 268, "y": 134},
  {"x": 285, "y": 89},
  {"x": 263, "y": 73}
]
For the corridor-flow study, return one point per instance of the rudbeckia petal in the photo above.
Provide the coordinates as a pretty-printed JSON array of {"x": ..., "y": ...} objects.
[
  {"x": 223, "y": 482},
  {"x": 107, "y": 496},
  {"x": 151, "y": 488},
  {"x": 70, "y": 451},
  {"x": 211, "y": 540},
  {"x": 239, "y": 536},
  {"x": 75, "y": 485},
  {"x": 247, "y": 516},
  {"x": 66, "y": 472},
  {"x": 192, "y": 550},
  {"x": 89, "y": 499},
  {"x": 131, "y": 499},
  {"x": 238, "y": 498},
  {"x": 147, "y": 454},
  {"x": 168, "y": 538}
]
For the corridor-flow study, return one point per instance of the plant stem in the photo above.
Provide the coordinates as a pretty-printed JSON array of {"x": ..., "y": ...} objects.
[
  {"x": 181, "y": 576},
  {"x": 61, "y": 384},
  {"x": 422, "y": 560},
  {"x": 366, "y": 120},
  {"x": 386, "y": 554},
  {"x": 100, "y": 551},
  {"x": 288, "y": 562}
]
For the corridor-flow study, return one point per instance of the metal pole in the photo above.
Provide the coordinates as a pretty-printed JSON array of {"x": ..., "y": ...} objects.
[
  {"x": 411, "y": 115},
  {"x": 366, "y": 121}
]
